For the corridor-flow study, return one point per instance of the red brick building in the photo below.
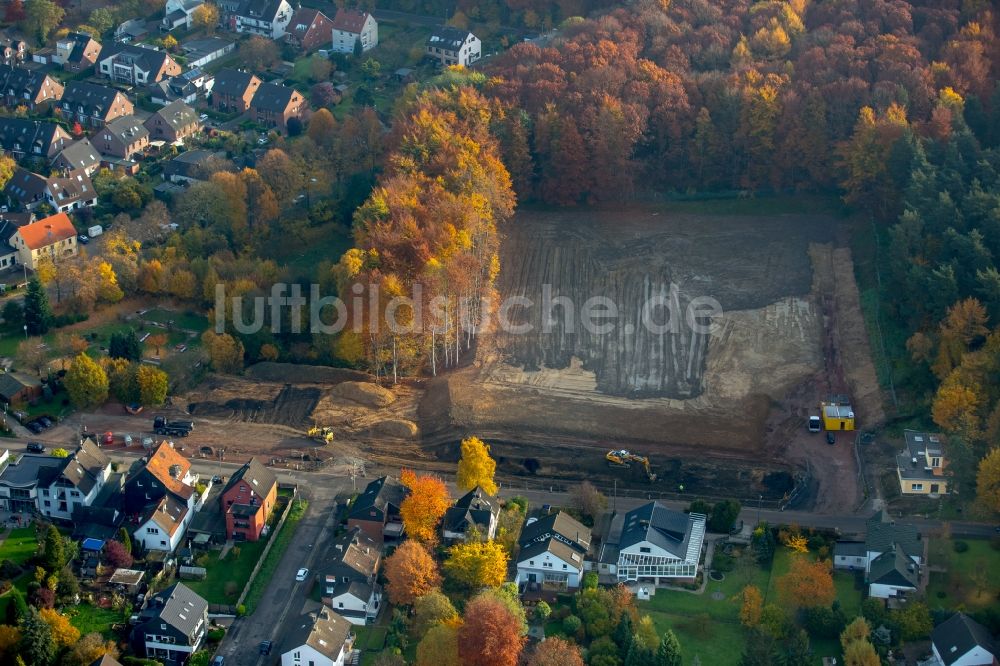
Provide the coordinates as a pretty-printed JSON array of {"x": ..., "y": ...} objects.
[{"x": 247, "y": 501}]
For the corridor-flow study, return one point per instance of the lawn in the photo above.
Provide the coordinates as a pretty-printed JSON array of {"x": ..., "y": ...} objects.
[
  {"x": 958, "y": 585},
  {"x": 282, "y": 539},
  {"x": 19, "y": 545},
  {"x": 188, "y": 321},
  {"x": 89, "y": 618},
  {"x": 713, "y": 642},
  {"x": 301, "y": 255},
  {"x": 21, "y": 583},
  {"x": 234, "y": 569}
]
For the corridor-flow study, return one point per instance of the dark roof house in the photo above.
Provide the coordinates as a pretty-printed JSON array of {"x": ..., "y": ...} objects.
[
  {"x": 960, "y": 639},
  {"x": 21, "y": 136},
  {"x": 476, "y": 510}
]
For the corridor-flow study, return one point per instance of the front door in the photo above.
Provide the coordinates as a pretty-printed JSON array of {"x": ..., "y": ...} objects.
[{"x": 934, "y": 487}]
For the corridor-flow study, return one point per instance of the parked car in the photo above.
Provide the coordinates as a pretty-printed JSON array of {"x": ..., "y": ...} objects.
[
  {"x": 218, "y": 660},
  {"x": 265, "y": 647},
  {"x": 45, "y": 421},
  {"x": 35, "y": 427},
  {"x": 814, "y": 424},
  {"x": 301, "y": 575},
  {"x": 35, "y": 447},
  {"x": 203, "y": 117},
  {"x": 83, "y": 238},
  {"x": 830, "y": 437}
]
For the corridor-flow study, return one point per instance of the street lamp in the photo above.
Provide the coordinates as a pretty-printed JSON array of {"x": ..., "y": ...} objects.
[{"x": 25, "y": 331}]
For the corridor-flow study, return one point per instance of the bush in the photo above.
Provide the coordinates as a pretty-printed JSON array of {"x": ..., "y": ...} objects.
[
  {"x": 572, "y": 624},
  {"x": 960, "y": 546},
  {"x": 241, "y": 610},
  {"x": 216, "y": 635},
  {"x": 521, "y": 502},
  {"x": 9, "y": 570},
  {"x": 722, "y": 562}
]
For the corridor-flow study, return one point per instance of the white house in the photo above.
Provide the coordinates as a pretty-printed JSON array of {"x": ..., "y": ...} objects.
[
  {"x": 172, "y": 626},
  {"x": 890, "y": 556},
  {"x": 267, "y": 18},
  {"x": 160, "y": 498},
  {"x": 51, "y": 486},
  {"x": 892, "y": 574},
  {"x": 654, "y": 543},
  {"x": 451, "y": 46},
  {"x": 961, "y": 641},
  {"x": 178, "y": 13},
  {"x": 162, "y": 525},
  {"x": 323, "y": 638},
  {"x": 351, "y": 26},
  {"x": 356, "y": 602},
  {"x": 474, "y": 510},
  {"x": 552, "y": 552}
]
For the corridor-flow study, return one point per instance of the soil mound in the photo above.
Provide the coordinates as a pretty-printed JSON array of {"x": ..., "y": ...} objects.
[
  {"x": 365, "y": 393},
  {"x": 269, "y": 371},
  {"x": 400, "y": 428}
]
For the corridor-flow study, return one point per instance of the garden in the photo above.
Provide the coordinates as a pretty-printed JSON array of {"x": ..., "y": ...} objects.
[{"x": 964, "y": 574}]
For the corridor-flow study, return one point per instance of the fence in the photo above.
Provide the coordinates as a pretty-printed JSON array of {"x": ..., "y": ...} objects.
[{"x": 270, "y": 542}]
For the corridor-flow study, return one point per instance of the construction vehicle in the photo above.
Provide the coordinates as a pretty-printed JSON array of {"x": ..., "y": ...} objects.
[
  {"x": 624, "y": 458},
  {"x": 321, "y": 434},
  {"x": 161, "y": 426}
]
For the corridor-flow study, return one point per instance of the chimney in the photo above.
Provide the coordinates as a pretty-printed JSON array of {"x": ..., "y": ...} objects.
[{"x": 340, "y": 547}]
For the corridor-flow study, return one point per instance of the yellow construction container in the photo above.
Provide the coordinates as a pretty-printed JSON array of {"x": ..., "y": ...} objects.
[{"x": 837, "y": 416}]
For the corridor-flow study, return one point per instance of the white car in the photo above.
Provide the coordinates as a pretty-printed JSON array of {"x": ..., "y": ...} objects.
[
  {"x": 203, "y": 117},
  {"x": 301, "y": 575}
]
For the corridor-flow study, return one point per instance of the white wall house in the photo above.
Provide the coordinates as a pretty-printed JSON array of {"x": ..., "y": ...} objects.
[
  {"x": 450, "y": 46},
  {"x": 654, "y": 543},
  {"x": 351, "y": 26},
  {"x": 358, "y": 603},
  {"x": 551, "y": 563},
  {"x": 78, "y": 484},
  {"x": 163, "y": 527},
  {"x": 961, "y": 641},
  {"x": 323, "y": 638},
  {"x": 890, "y": 556},
  {"x": 267, "y": 18}
]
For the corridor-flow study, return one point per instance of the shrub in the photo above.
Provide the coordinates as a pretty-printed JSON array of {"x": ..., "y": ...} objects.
[
  {"x": 572, "y": 624},
  {"x": 722, "y": 562},
  {"x": 241, "y": 610},
  {"x": 216, "y": 635},
  {"x": 9, "y": 570},
  {"x": 960, "y": 546}
]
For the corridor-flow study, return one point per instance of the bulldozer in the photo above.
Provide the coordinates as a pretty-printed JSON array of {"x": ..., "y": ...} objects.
[
  {"x": 322, "y": 434},
  {"x": 623, "y": 458}
]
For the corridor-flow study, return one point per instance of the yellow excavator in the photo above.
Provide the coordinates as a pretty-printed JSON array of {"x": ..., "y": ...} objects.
[
  {"x": 624, "y": 458},
  {"x": 321, "y": 434}
]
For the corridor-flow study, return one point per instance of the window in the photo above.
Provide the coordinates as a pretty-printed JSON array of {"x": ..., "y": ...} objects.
[
  {"x": 163, "y": 543},
  {"x": 935, "y": 462},
  {"x": 917, "y": 486},
  {"x": 152, "y": 530},
  {"x": 644, "y": 549}
]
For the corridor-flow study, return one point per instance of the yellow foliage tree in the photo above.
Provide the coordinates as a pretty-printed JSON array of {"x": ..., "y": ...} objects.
[
  {"x": 798, "y": 543},
  {"x": 955, "y": 406},
  {"x": 752, "y": 606},
  {"x": 861, "y": 653},
  {"x": 9, "y": 638},
  {"x": 857, "y": 630},
  {"x": 63, "y": 633},
  {"x": 477, "y": 564},
  {"x": 988, "y": 481},
  {"x": 108, "y": 289},
  {"x": 476, "y": 468}
]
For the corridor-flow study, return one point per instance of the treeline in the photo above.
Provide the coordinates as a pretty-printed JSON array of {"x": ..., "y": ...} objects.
[
  {"x": 530, "y": 14},
  {"x": 729, "y": 95}
]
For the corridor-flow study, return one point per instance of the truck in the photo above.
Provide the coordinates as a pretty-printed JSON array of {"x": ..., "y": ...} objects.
[
  {"x": 95, "y": 231},
  {"x": 161, "y": 426}
]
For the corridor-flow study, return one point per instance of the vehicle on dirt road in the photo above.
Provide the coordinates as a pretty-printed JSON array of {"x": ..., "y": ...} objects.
[
  {"x": 322, "y": 434},
  {"x": 35, "y": 447},
  {"x": 814, "y": 424},
  {"x": 830, "y": 437},
  {"x": 161, "y": 426}
]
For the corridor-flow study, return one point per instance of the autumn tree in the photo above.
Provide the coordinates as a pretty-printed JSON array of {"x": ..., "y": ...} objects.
[
  {"x": 63, "y": 633},
  {"x": 32, "y": 355},
  {"x": 858, "y": 651},
  {"x": 808, "y": 583},
  {"x": 429, "y": 610},
  {"x": 152, "y": 385},
  {"x": 156, "y": 341},
  {"x": 752, "y": 605},
  {"x": 410, "y": 572},
  {"x": 7, "y": 167},
  {"x": 489, "y": 634},
  {"x": 476, "y": 564},
  {"x": 281, "y": 174},
  {"x": 988, "y": 481},
  {"x": 259, "y": 53},
  {"x": 41, "y": 17},
  {"x": 439, "y": 647},
  {"x": 86, "y": 382},
  {"x": 556, "y": 651},
  {"x": 206, "y": 17},
  {"x": 89, "y": 649},
  {"x": 224, "y": 351},
  {"x": 116, "y": 556},
  {"x": 14, "y": 11},
  {"x": 476, "y": 467},
  {"x": 423, "y": 507},
  {"x": 589, "y": 500},
  {"x": 10, "y": 636}
]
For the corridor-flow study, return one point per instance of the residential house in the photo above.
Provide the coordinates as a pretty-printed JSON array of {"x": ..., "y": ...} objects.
[
  {"x": 21, "y": 137},
  {"x": 29, "y": 88},
  {"x": 136, "y": 65},
  {"x": 106, "y": 660},
  {"x": 160, "y": 497},
  {"x": 172, "y": 626},
  {"x": 77, "y": 52},
  {"x": 131, "y": 30},
  {"x": 267, "y": 18},
  {"x": 921, "y": 465},
  {"x": 187, "y": 87},
  {"x": 13, "y": 51},
  {"x": 53, "y": 237},
  {"x": 93, "y": 105},
  {"x": 654, "y": 543},
  {"x": 17, "y": 387},
  {"x": 552, "y": 551},
  {"x": 65, "y": 193},
  {"x": 348, "y": 576},
  {"x": 54, "y": 487},
  {"x": 122, "y": 138},
  {"x": 890, "y": 556},
  {"x": 452, "y": 46},
  {"x": 174, "y": 122},
  {"x": 309, "y": 29},
  {"x": 186, "y": 167},
  {"x": 318, "y": 639},
  {"x": 474, "y": 510},
  {"x": 376, "y": 511},
  {"x": 961, "y": 641},
  {"x": 247, "y": 500},
  {"x": 200, "y": 52},
  {"x": 274, "y": 105},
  {"x": 178, "y": 14},
  {"x": 78, "y": 156},
  {"x": 233, "y": 90},
  {"x": 161, "y": 525},
  {"x": 351, "y": 26},
  {"x": 8, "y": 259}
]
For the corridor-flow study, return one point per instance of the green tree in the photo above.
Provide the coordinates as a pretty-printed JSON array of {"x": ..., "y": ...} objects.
[
  {"x": 152, "y": 385},
  {"x": 55, "y": 551},
  {"x": 669, "y": 652},
  {"x": 37, "y": 646},
  {"x": 13, "y": 314},
  {"x": 102, "y": 19},
  {"x": 86, "y": 382},
  {"x": 125, "y": 344},
  {"x": 37, "y": 311},
  {"x": 126, "y": 539},
  {"x": 41, "y": 17},
  {"x": 724, "y": 515},
  {"x": 796, "y": 650}
]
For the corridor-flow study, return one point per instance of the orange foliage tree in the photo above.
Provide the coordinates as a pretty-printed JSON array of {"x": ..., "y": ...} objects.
[
  {"x": 808, "y": 583},
  {"x": 556, "y": 651},
  {"x": 409, "y": 573},
  {"x": 423, "y": 507},
  {"x": 490, "y": 634}
]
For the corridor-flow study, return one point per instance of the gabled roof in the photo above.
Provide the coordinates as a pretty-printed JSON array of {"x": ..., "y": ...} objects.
[
  {"x": 81, "y": 41},
  {"x": 95, "y": 99},
  {"x": 145, "y": 58},
  {"x": 260, "y": 478},
  {"x": 106, "y": 660},
  {"x": 180, "y": 607},
  {"x": 380, "y": 494},
  {"x": 232, "y": 82},
  {"x": 656, "y": 524},
  {"x": 356, "y": 551},
  {"x": 570, "y": 556},
  {"x": 169, "y": 467},
  {"x": 894, "y": 567},
  {"x": 85, "y": 466},
  {"x": 850, "y": 549},
  {"x": 562, "y": 524},
  {"x": 473, "y": 508},
  {"x": 127, "y": 129},
  {"x": 79, "y": 155},
  {"x": 307, "y": 19},
  {"x": 350, "y": 20},
  {"x": 21, "y": 80},
  {"x": 273, "y": 97},
  {"x": 11, "y": 384},
  {"x": 883, "y": 533},
  {"x": 447, "y": 37},
  {"x": 29, "y": 133},
  {"x": 954, "y": 637},
  {"x": 325, "y": 631},
  {"x": 265, "y": 10},
  {"x": 177, "y": 115},
  {"x": 168, "y": 514},
  {"x": 47, "y": 231}
]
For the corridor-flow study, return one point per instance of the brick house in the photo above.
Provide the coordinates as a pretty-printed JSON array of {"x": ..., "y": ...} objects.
[
  {"x": 233, "y": 90},
  {"x": 28, "y": 88},
  {"x": 174, "y": 122},
  {"x": 93, "y": 105},
  {"x": 309, "y": 29},
  {"x": 122, "y": 138},
  {"x": 274, "y": 105},
  {"x": 136, "y": 65},
  {"x": 77, "y": 52},
  {"x": 376, "y": 511},
  {"x": 247, "y": 501}
]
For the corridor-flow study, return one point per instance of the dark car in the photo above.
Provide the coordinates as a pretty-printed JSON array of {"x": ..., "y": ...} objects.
[
  {"x": 830, "y": 437},
  {"x": 35, "y": 447},
  {"x": 45, "y": 421},
  {"x": 265, "y": 647},
  {"x": 219, "y": 660},
  {"x": 35, "y": 427}
]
